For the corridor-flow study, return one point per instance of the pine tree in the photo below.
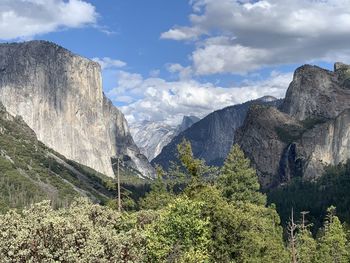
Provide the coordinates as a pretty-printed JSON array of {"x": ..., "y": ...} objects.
[
  {"x": 306, "y": 247},
  {"x": 238, "y": 180},
  {"x": 159, "y": 196},
  {"x": 195, "y": 167},
  {"x": 333, "y": 243}
]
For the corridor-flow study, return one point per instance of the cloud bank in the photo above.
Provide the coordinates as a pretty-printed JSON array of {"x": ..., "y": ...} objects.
[
  {"x": 234, "y": 36},
  {"x": 24, "y": 19},
  {"x": 159, "y": 100}
]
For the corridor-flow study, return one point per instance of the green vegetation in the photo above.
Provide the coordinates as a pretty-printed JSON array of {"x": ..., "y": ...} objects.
[
  {"x": 315, "y": 197},
  {"x": 238, "y": 180},
  {"x": 83, "y": 232},
  {"x": 197, "y": 215},
  {"x": 31, "y": 172}
]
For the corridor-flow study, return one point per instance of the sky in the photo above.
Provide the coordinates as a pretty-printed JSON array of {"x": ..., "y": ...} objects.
[{"x": 162, "y": 60}]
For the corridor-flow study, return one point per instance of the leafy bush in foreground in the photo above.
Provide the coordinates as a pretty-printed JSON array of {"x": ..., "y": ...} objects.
[{"x": 84, "y": 232}]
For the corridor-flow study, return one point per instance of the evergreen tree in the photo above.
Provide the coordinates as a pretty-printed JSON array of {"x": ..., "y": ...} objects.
[
  {"x": 333, "y": 244},
  {"x": 159, "y": 196},
  {"x": 241, "y": 233},
  {"x": 180, "y": 234},
  {"x": 306, "y": 246},
  {"x": 238, "y": 180},
  {"x": 196, "y": 168}
]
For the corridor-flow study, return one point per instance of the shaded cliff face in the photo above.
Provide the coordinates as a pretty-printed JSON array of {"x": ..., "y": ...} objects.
[
  {"x": 59, "y": 95},
  {"x": 312, "y": 131},
  {"x": 259, "y": 138},
  {"x": 211, "y": 137},
  {"x": 187, "y": 122}
]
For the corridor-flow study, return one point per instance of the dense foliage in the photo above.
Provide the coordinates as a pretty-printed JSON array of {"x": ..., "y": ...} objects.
[
  {"x": 221, "y": 220},
  {"x": 332, "y": 189}
]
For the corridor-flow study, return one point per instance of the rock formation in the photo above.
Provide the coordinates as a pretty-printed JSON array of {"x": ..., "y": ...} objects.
[
  {"x": 212, "y": 137},
  {"x": 152, "y": 137},
  {"x": 31, "y": 172},
  {"x": 312, "y": 129},
  {"x": 59, "y": 95}
]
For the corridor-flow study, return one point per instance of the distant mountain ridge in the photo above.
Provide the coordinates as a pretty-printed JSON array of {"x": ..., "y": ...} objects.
[
  {"x": 59, "y": 95},
  {"x": 151, "y": 137},
  {"x": 212, "y": 137}
]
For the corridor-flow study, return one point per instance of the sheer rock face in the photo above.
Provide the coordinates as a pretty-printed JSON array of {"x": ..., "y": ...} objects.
[
  {"x": 312, "y": 129},
  {"x": 212, "y": 137},
  {"x": 259, "y": 139},
  {"x": 59, "y": 95},
  {"x": 326, "y": 144},
  {"x": 316, "y": 92}
]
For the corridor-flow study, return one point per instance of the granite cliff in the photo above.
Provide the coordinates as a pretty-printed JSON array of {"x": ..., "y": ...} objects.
[
  {"x": 31, "y": 172},
  {"x": 59, "y": 95},
  {"x": 212, "y": 137},
  {"x": 310, "y": 131}
]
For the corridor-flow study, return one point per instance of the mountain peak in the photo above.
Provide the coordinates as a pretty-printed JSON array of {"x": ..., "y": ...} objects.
[
  {"x": 267, "y": 98},
  {"x": 340, "y": 66}
]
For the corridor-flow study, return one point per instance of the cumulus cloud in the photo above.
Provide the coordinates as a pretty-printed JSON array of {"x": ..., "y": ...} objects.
[
  {"x": 235, "y": 36},
  {"x": 181, "y": 33},
  {"x": 181, "y": 71},
  {"x": 107, "y": 63},
  {"x": 24, "y": 19},
  {"x": 156, "y": 99}
]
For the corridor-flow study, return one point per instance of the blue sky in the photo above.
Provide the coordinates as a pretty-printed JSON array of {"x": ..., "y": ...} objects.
[{"x": 165, "y": 59}]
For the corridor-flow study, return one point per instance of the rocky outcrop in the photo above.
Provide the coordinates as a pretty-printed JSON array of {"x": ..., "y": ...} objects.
[
  {"x": 311, "y": 131},
  {"x": 326, "y": 144},
  {"x": 187, "y": 122},
  {"x": 264, "y": 143},
  {"x": 316, "y": 92},
  {"x": 59, "y": 95},
  {"x": 212, "y": 137},
  {"x": 152, "y": 137}
]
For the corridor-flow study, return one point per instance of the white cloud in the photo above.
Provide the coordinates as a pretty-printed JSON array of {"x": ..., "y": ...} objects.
[
  {"x": 181, "y": 71},
  {"x": 107, "y": 63},
  {"x": 158, "y": 100},
  {"x": 235, "y": 36},
  {"x": 24, "y": 19},
  {"x": 181, "y": 33},
  {"x": 216, "y": 58}
]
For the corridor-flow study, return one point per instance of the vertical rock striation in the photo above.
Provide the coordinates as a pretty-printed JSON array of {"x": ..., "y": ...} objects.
[
  {"x": 311, "y": 131},
  {"x": 59, "y": 95}
]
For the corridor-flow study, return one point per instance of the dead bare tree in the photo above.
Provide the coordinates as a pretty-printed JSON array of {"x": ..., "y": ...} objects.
[{"x": 292, "y": 237}]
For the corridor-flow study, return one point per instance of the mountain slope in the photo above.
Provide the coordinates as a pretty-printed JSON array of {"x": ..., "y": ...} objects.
[
  {"x": 311, "y": 131},
  {"x": 31, "y": 172},
  {"x": 212, "y": 136},
  {"x": 59, "y": 95},
  {"x": 151, "y": 137}
]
